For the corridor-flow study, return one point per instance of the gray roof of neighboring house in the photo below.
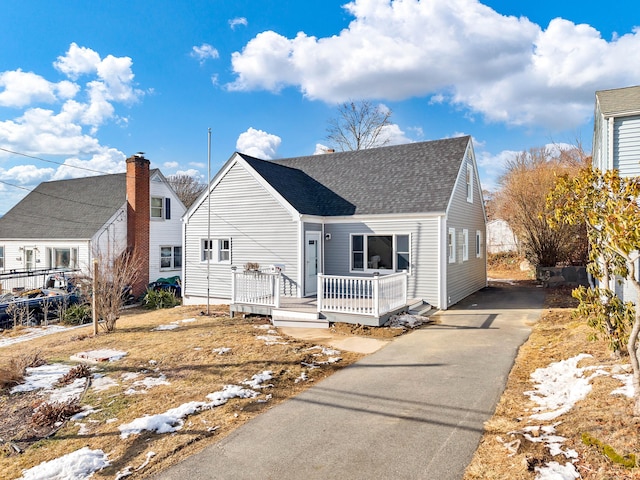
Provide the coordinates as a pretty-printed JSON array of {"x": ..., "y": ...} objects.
[
  {"x": 65, "y": 209},
  {"x": 410, "y": 178},
  {"x": 619, "y": 101}
]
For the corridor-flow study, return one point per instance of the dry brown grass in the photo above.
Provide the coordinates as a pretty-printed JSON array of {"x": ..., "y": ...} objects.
[
  {"x": 558, "y": 336},
  {"x": 185, "y": 355}
]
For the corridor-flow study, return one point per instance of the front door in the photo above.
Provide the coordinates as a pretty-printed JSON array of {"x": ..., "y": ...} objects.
[
  {"x": 29, "y": 259},
  {"x": 311, "y": 262}
]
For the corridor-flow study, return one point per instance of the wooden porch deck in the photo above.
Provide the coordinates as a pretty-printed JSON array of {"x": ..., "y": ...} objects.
[{"x": 303, "y": 312}]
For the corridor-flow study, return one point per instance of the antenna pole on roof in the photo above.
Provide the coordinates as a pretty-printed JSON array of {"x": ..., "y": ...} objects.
[{"x": 210, "y": 249}]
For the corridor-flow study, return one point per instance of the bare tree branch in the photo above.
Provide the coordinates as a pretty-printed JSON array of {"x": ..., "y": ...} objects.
[{"x": 359, "y": 125}]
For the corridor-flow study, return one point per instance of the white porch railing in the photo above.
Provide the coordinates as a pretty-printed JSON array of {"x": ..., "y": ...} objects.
[
  {"x": 373, "y": 296},
  {"x": 255, "y": 287}
]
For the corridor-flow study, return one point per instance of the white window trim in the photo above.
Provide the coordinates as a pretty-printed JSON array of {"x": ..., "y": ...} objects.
[
  {"x": 216, "y": 249},
  {"x": 50, "y": 253},
  {"x": 478, "y": 244},
  {"x": 394, "y": 247},
  {"x": 151, "y": 208},
  {"x": 465, "y": 245},
  {"x": 451, "y": 245},
  {"x": 220, "y": 250},
  {"x": 173, "y": 257},
  {"x": 469, "y": 183}
]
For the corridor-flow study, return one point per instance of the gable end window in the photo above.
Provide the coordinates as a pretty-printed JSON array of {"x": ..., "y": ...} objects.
[
  {"x": 161, "y": 208},
  {"x": 1, "y": 258},
  {"x": 469, "y": 183},
  {"x": 380, "y": 252},
  {"x": 216, "y": 250},
  {"x": 478, "y": 244}
]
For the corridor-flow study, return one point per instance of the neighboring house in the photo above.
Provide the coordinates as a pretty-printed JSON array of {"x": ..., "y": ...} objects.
[
  {"x": 500, "y": 237},
  {"x": 68, "y": 223},
  {"x": 342, "y": 217},
  {"x": 616, "y": 144}
]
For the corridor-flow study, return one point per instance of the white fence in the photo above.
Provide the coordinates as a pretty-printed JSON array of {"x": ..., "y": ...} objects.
[
  {"x": 255, "y": 288},
  {"x": 373, "y": 296}
]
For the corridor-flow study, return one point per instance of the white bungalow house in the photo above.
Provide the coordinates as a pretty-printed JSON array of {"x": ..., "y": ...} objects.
[
  {"x": 67, "y": 223},
  {"x": 616, "y": 144},
  {"x": 356, "y": 234}
]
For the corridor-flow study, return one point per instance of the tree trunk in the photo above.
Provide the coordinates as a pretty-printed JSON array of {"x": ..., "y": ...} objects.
[{"x": 633, "y": 353}]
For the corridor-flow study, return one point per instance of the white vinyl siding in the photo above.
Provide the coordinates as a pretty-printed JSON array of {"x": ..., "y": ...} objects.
[
  {"x": 626, "y": 145},
  {"x": 259, "y": 228},
  {"x": 165, "y": 233},
  {"x": 423, "y": 250},
  {"x": 465, "y": 276}
]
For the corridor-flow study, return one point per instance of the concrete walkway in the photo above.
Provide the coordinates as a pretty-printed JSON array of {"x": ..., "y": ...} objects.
[{"x": 412, "y": 410}]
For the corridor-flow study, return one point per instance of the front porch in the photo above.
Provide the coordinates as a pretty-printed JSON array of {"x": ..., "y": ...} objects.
[{"x": 358, "y": 300}]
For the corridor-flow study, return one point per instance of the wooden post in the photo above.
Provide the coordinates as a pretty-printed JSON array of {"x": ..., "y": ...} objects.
[
  {"x": 94, "y": 312},
  {"x": 320, "y": 292},
  {"x": 376, "y": 294}
]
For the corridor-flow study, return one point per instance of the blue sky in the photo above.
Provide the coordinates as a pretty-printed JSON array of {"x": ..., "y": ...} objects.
[{"x": 86, "y": 84}]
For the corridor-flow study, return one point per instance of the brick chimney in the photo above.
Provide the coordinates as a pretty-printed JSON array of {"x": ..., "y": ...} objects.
[{"x": 138, "y": 214}]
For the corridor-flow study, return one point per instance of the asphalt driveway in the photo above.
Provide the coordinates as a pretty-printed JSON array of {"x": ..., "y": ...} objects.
[{"x": 412, "y": 410}]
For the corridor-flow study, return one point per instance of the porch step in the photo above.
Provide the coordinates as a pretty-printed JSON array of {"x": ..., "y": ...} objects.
[
  {"x": 291, "y": 318},
  {"x": 420, "y": 307}
]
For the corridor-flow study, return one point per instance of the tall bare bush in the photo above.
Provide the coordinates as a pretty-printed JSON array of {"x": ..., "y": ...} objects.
[
  {"x": 521, "y": 201},
  {"x": 112, "y": 285}
]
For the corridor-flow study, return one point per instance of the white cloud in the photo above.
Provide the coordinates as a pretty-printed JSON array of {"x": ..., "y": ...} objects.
[
  {"x": 77, "y": 61},
  {"x": 170, "y": 164},
  {"x": 191, "y": 172},
  {"x": 258, "y": 143},
  {"x": 204, "y": 52},
  {"x": 26, "y": 174},
  {"x": 23, "y": 88},
  {"x": 505, "y": 68},
  {"x": 109, "y": 160},
  {"x": 234, "y": 22},
  {"x": 198, "y": 164}
]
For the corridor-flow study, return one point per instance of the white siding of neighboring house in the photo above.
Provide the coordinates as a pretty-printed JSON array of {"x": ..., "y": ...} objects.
[
  {"x": 464, "y": 277},
  {"x": 164, "y": 232},
  {"x": 626, "y": 145},
  {"x": 111, "y": 239},
  {"x": 260, "y": 228},
  {"x": 500, "y": 237},
  {"x": 423, "y": 243}
]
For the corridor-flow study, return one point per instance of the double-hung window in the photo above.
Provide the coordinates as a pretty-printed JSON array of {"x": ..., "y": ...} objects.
[
  {"x": 465, "y": 245},
  {"x": 451, "y": 245},
  {"x": 478, "y": 244},
  {"x": 170, "y": 258},
  {"x": 469, "y": 182},
  {"x": 1, "y": 258},
  {"x": 160, "y": 208},
  {"x": 217, "y": 250},
  {"x": 380, "y": 252}
]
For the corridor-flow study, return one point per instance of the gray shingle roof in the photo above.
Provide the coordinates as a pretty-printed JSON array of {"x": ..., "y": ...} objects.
[
  {"x": 65, "y": 209},
  {"x": 410, "y": 178},
  {"x": 619, "y": 100}
]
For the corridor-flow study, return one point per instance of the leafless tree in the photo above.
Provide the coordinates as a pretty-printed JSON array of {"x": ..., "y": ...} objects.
[
  {"x": 114, "y": 278},
  {"x": 521, "y": 201},
  {"x": 187, "y": 188},
  {"x": 358, "y": 125}
]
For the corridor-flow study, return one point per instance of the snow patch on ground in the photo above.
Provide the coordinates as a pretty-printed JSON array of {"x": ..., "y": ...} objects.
[
  {"x": 105, "y": 355},
  {"x": 173, "y": 419},
  {"x": 36, "y": 332},
  {"x": 78, "y": 465},
  {"x": 221, "y": 350},
  {"x": 42, "y": 377},
  {"x": 271, "y": 339}
]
